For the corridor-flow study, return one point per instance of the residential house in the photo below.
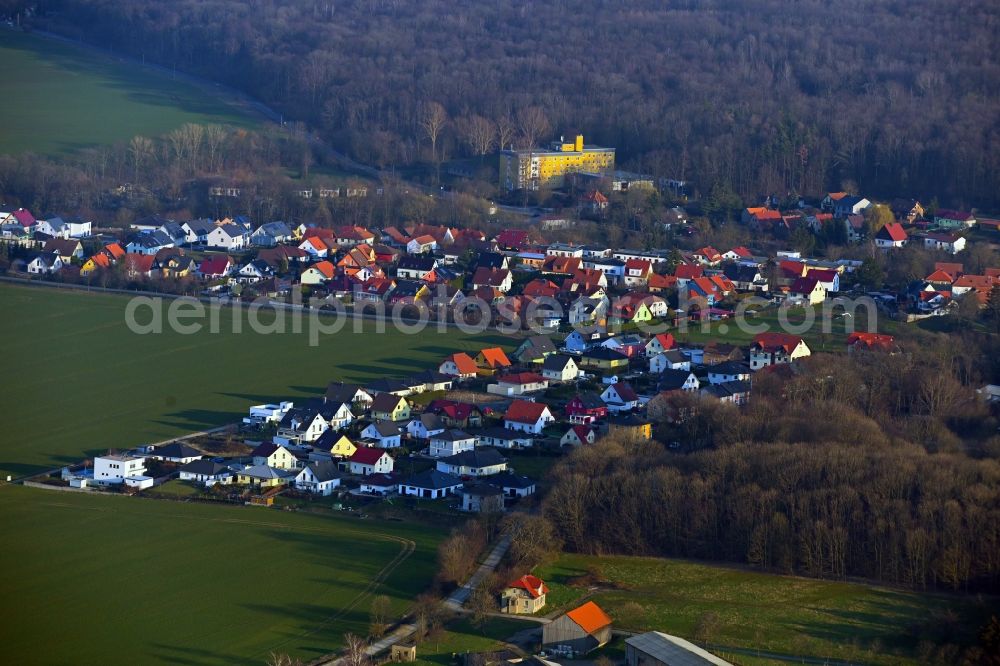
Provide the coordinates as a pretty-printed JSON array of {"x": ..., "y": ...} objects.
[
  {"x": 954, "y": 219},
  {"x": 274, "y": 455},
  {"x": 776, "y": 348},
  {"x": 708, "y": 256},
  {"x": 318, "y": 478},
  {"x": 678, "y": 380},
  {"x": 67, "y": 249},
  {"x": 456, "y": 414},
  {"x": 579, "y": 632},
  {"x": 637, "y": 272},
  {"x": 736, "y": 393},
  {"x": 318, "y": 273},
  {"x": 586, "y": 408},
  {"x": 513, "y": 485},
  {"x": 730, "y": 371},
  {"x": 379, "y": 484},
  {"x": 255, "y": 271},
  {"x": 860, "y": 340},
  {"x": 215, "y": 267},
  {"x": 301, "y": 425},
  {"x": 535, "y": 349},
  {"x": 387, "y": 434},
  {"x": 270, "y": 234},
  {"x": 207, "y": 472},
  {"x": 850, "y": 205},
  {"x": 828, "y": 278},
  {"x": 138, "y": 265},
  {"x": 672, "y": 359},
  {"x": 430, "y": 484},
  {"x": 332, "y": 444},
  {"x": 175, "y": 452},
  {"x": 891, "y": 236},
  {"x": 578, "y": 435},
  {"x": 578, "y": 341},
  {"x": 45, "y": 263},
  {"x": 421, "y": 245},
  {"x": 630, "y": 427},
  {"x": 415, "y": 268},
  {"x": 425, "y": 426},
  {"x": 907, "y": 210},
  {"x": 263, "y": 476},
  {"x": 389, "y": 407},
  {"x": 482, "y": 498},
  {"x": 524, "y": 596},
  {"x": 603, "y": 358},
  {"x": 195, "y": 231},
  {"x": 316, "y": 247},
  {"x": 370, "y": 460},
  {"x": 503, "y": 438},
  {"x": 97, "y": 262},
  {"x": 450, "y": 442},
  {"x": 527, "y": 416},
  {"x": 351, "y": 394},
  {"x": 520, "y": 383},
  {"x": 951, "y": 243},
  {"x": 631, "y": 345},
  {"x": 499, "y": 279},
  {"x": 807, "y": 291},
  {"x": 229, "y": 237},
  {"x": 148, "y": 243},
  {"x": 459, "y": 365},
  {"x": 620, "y": 397},
  {"x": 490, "y": 360},
  {"x": 115, "y": 468},
  {"x": 560, "y": 368},
  {"x": 482, "y": 461},
  {"x": 659, "y": 343},
  {"x": 746, "y": 277}
]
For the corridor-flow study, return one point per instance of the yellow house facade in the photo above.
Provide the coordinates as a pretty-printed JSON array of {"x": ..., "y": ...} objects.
[
  {"x": 282, "y": 458},
  {"x": 390, "y": 408},
  {"x": 532, "y": 169},
  {"x": 344, "y": 448}
]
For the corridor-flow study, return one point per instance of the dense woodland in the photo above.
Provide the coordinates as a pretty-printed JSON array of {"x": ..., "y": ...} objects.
[
  {"x": 899, "y": 481},
  {"x": 893, "y": 98}
]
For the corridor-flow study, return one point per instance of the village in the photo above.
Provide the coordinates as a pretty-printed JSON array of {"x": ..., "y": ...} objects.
[{"x": 477, "y": 433}]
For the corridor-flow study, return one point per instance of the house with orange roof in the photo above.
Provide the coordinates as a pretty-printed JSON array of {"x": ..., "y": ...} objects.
[
  {"x": 98, "y": 261},
  {"x": 685, "y": 272},
  {"x": 459, "y": 365},
  {"x": 776, "y": 348},
  {"x": 659, "y": 283},
  {"x": 318, "y": 273},
  {"x": 637, "y": 272},
  {"x": 490, "y": 360},
  {"x": 891, "y": 236},
  {"x": 315, "y": 246},
  {"x": 870, "y": 341},
  {"x": 421, "y": 244},
  {"x": 595, "y": 201},
  {"x": 760, "y": 216},
  {"x": 114, "y": 251},
  {"x": 981, "y": 284},
  {"x": 578, "y": 632},
  {"x": 540, "y": 287},
  {"x": 524, "y": 596},
  {"x": 831, "y": 199},
  {"x": 138, "y": 265},
  {"x": 708, "y": 256},
  {"x": 737, "y": 253},
  {"x": 567, "y": 265},
  {"x": 940, "y": 277}
]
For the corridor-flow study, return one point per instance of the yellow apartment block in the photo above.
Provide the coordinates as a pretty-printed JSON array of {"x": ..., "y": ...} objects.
[{"x": 532, "y": 169}]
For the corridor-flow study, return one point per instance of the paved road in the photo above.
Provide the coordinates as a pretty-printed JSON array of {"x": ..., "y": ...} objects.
[{"x": 458, "y": 598}]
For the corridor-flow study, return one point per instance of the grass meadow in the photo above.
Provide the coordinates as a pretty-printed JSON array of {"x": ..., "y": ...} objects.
[
  {"x": 62, "y": 97},
  {"x": 781, "y": 614},
  {"x": 116, "y": 580},
  {"x": 79, "y": 382}
]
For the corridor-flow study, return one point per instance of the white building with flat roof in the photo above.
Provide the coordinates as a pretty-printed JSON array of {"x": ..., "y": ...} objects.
[{"x": 115, "y": 468}]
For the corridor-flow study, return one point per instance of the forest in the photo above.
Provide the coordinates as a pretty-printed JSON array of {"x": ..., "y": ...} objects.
[
  {"x": 898, "y": 482},
  {"x": 758, "y": 96}
]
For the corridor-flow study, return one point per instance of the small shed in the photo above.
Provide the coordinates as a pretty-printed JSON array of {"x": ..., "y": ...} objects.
[
  {"x": 404, "y": 652},
  {"x": 578, "y": 632}
]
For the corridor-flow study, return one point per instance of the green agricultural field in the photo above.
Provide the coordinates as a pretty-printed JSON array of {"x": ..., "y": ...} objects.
[
  {"x": 62, "y": 97},
  {"x": 117, "y": 580},
  {"x": 79, "y": 382},
  {"x": 780, "y": 614}
]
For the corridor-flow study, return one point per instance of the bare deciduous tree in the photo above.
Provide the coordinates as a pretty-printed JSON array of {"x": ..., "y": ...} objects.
[
  {"x": 433, "y": 120},
  {"x": 379, "y": 615}
]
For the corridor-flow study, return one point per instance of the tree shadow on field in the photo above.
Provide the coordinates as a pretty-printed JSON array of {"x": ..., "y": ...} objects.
[
  {"x": 254, "y": 398},
  {"x": 315, "y": 390},
  {"x": 184, "y": 654},
  {"x": 197, "y": 419}
]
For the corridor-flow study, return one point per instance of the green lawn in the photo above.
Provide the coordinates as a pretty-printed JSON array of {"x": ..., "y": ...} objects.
[
  {"x": 117, "y": 580},
  {"x": 463, "y": 636},
  {"x": 782, "y": 614},
  {"x": 79, "y": 382},
  {"x": 61, "y": 98}
]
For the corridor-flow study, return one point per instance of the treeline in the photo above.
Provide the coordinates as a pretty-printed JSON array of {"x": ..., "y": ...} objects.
[
  {"x": 893, "y": 98},
  {"x": 886, "y": 468}
]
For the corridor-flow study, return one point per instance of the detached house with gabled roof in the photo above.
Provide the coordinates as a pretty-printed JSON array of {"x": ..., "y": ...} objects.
[
  {"x": 333, "y": 444},
  {"x": 450, "y": 442},
  {"x": 524, "y": 596},
  {"x": 776, "y": 348},
  {"x": 459, "y": 365},
  {"x": 891, "y": 236},
  {"x": 496, "y": 278},
  {"x": 214, "y": 267},
  {"x": 315, "y": 246},
  {"x": 806, "y": 291},
  {"x": 318, "y": 273},
  {"x": 620, "y": 397},
  {"x": 560, "y": 368},
  {"x": 484, "y": 461},
  {"x": 586, "y": 408},
  {"x": 491, "y": 360},
  {"x": 370, "y": 460},
  {"x": 227, "y": 237},
  {"x": 527, "y": 416},
  {"x": 301, "y": 425},
  {"x": 578, "y": 435},
  {"x": 389, "y": 407},
  {"x": 386, "y": 434},
  {"x": 274, "y": 455},
  {"x": 318, "y": 478}
]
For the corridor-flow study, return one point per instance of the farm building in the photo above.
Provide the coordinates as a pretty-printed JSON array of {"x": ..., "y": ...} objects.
[
  {"x": 579, "y": 631},
  {"x": 658, "y": 649}
]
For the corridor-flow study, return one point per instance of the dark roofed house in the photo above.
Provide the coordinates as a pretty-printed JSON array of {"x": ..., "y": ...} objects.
[
  {"x": 207, "y": 472},
  {"x": 176, "y": 452},
  {"x": 482, "y": 498},
  {"x": 430, "y": 484},
  {"x": 483, "y": 461}
]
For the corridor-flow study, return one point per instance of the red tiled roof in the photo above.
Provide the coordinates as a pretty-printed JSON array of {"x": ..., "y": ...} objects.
[
  {"x": 949, "y": 267},
  {"x": 115, "y": 250},
  {"x": 688, "y": 271},
  {"x": 892, "y": 231},
  {"x": 522, "y": 378},
  {"x": 940, "y": 277},
  {"x": 822, "y": 274},
  {"x": 524, "y": 411},
  {"x": 666, "y": 340},
  {"x": 532, "y": 584},
  {"x": 741, "y": 251},
  {"x": 773, "y": 341},
  {"x": 24, "y": 217},
  {"x": 495, "y": 357},
  {"x": 218, "y": 265},
  {"x": 493, "y": 277},
  {"x": 367, "y": 455},
  {"x": 870, "y": 340}
]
